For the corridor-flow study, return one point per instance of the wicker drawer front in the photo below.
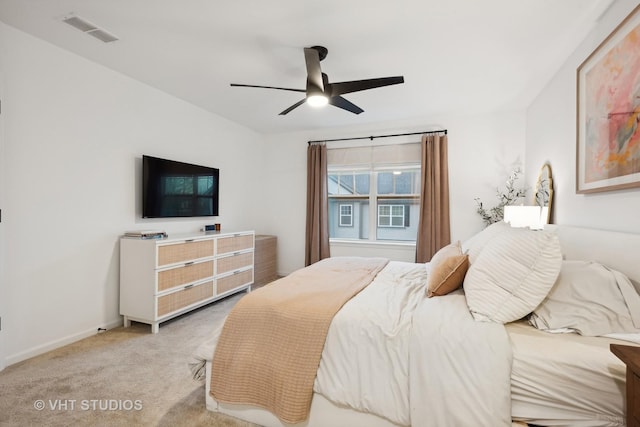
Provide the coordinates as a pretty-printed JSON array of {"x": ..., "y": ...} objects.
[
  {"x": 183, "y": 252},
  {"x": 231, "y": 263},
  {"x": 234, "y": 243},
  {"x": 266, "y": 260},
  {"x": 168, "y": 279},
  {"x": 177, "y": 300},
  {"x": 230, "y": 282}
]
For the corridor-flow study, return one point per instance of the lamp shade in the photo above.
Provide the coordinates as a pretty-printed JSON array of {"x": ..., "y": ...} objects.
[{"x": 524, "y": 216}]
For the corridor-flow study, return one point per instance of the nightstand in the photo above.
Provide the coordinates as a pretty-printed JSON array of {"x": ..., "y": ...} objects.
[
  {"x": 266, "y": 260},
  {"x": 631, "y": 357}
]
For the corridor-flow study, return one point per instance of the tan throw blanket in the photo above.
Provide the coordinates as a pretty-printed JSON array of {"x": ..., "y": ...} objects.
[{"x": 270, "y": 347}]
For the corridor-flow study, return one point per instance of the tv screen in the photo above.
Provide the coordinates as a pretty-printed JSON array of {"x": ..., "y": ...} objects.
[{"x": 176, "y": 189}]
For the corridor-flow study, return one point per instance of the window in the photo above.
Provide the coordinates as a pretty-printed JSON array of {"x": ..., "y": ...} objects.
[
  {"x": 346, "y": 215},
  {"x": 391, "y": 216},
  {"x": 374, "y": 204},
  {"x": 374, "y": 192}
]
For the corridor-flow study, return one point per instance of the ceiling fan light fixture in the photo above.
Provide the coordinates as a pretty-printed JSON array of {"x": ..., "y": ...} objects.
[{"x": 317, "y": 100}]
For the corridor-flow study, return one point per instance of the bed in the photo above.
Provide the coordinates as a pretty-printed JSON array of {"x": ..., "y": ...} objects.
[{"x": 461, "y": 358}]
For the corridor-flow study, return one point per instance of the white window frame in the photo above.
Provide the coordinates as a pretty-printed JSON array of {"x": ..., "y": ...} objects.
[
  {"x": 391, "y": 216},
  {"x": 341, "y": 215},
  {"x": 373, "y": 197}
]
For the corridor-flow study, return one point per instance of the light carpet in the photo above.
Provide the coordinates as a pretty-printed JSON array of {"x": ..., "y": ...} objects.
[{"x": 121, "y": 377}]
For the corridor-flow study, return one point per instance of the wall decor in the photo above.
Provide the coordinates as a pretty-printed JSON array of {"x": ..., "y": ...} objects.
[{"x": 608, "y": 107}]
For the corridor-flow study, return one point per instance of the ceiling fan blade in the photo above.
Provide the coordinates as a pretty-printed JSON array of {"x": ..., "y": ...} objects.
[
  {"x": 296, "y": 105},
  {"x": 357, "y": 85},
  {"x": 269, "y": 87},
  {"x": 340, "y": 102},
  {"x": 314, "y": 73}
]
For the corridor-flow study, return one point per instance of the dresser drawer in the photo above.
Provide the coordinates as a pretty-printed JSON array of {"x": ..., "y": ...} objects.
[
  {"x": 232, "y": 281},
  {"x": 177, "y": 300},
  {"x": 178, "y": 276},
  {"x": 234, "y": 262},
  {"x": 235, "y": 243},
  {"x": 183, "y": 252}
]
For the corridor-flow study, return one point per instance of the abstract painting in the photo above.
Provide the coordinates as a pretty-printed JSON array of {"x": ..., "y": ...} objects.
[{"x": 608, "y": 143}]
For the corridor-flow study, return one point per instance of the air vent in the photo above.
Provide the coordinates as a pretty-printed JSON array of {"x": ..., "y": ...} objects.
[{"x": 90, "y": 29}]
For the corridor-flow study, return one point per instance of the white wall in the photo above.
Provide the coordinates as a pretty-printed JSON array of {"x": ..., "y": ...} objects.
[
  {"x": 482, "y": 151},
  {"x": 74, "y": 135},
  {"x": 551, "y": 137}
]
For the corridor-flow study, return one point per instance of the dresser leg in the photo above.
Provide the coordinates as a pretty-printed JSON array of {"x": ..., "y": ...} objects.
[
  {"x": 127, "y": 322},
  {"x": 155, "y": 328}
]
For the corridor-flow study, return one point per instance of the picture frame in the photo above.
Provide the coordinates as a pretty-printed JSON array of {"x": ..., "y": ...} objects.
[{"x": 608, "y": 112}]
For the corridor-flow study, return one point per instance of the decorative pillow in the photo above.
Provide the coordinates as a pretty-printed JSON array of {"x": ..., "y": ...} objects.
[
  {"x": 590, "y": 299},
  {"x": 477, "y": 242},
  {"x": 512, "y": 275},
  {"x": 446, "y": 270}
]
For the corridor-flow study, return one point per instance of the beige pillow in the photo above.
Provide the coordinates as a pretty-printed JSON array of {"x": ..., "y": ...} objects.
[{"x": 446, "y": 270}]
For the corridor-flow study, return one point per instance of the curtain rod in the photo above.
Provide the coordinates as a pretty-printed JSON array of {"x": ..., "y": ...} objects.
[{"x": 378, "y": 136}]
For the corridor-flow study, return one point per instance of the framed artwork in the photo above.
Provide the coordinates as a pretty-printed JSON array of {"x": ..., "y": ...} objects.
[{"x": 608, "y": 119}]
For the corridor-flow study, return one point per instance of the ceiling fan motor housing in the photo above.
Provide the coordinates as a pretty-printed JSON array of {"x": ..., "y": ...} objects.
[{"x": 322, "y": 51}]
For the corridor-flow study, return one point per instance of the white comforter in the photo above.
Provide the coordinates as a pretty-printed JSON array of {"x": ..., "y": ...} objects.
[
  {"x": 415, "y": 360},
  {"x": 460, "y": 368},
  {"x": 365, "y": 362},
  {"x": 410, "y": 359}
]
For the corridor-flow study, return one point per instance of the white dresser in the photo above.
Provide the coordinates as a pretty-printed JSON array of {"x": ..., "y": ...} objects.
[{"x": 163, "y": 278}]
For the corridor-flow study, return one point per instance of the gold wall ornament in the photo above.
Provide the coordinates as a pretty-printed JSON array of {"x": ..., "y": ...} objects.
[{"x": 543, "y": 194}]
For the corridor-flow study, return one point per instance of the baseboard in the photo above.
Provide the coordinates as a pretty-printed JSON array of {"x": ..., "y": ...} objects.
[{"x": 52, "y": 345}]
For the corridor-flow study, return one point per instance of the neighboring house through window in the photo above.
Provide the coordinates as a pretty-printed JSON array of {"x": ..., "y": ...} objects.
[{"x": 374, "y": 196}]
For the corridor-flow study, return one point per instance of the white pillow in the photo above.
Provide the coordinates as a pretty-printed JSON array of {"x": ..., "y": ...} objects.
[
  {"x": 512, "y": 275},
  {"x": 590, "y": 299},
  {"x": 474, "y": 245}
]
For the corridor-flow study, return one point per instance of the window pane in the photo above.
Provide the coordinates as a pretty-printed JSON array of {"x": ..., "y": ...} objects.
[
  {"x": 363, "y": 183},
  {"x": 385, "y": 182},
  {"x": 403, "y": 183},
  {"x": 402, "y": 226},
  {"x": 359, "y": 228},
  {"x": 416, "y": 181},
  {"x": 346, "y": 184},
  {"x": 332, "y": 187},
  {"x": 341, "y": 183}
]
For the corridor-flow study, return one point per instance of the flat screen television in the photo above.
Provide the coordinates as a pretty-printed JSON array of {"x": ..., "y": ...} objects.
[{"x": 175, "y": 189}]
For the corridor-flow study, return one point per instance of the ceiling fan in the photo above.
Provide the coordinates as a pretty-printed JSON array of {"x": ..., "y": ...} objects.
[{"x": 320, "y": 92}]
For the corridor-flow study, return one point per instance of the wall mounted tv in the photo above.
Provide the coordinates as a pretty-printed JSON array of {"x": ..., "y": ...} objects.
[{"x": 175, "y": 189}]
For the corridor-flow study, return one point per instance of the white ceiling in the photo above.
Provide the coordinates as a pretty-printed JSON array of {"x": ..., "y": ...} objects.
[{"x": 457, "y": 56}]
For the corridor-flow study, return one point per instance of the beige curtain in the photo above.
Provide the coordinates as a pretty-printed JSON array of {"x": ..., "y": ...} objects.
[
  {"x": 433, "y": 230},
  {"x": 317, "y": 231}
]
